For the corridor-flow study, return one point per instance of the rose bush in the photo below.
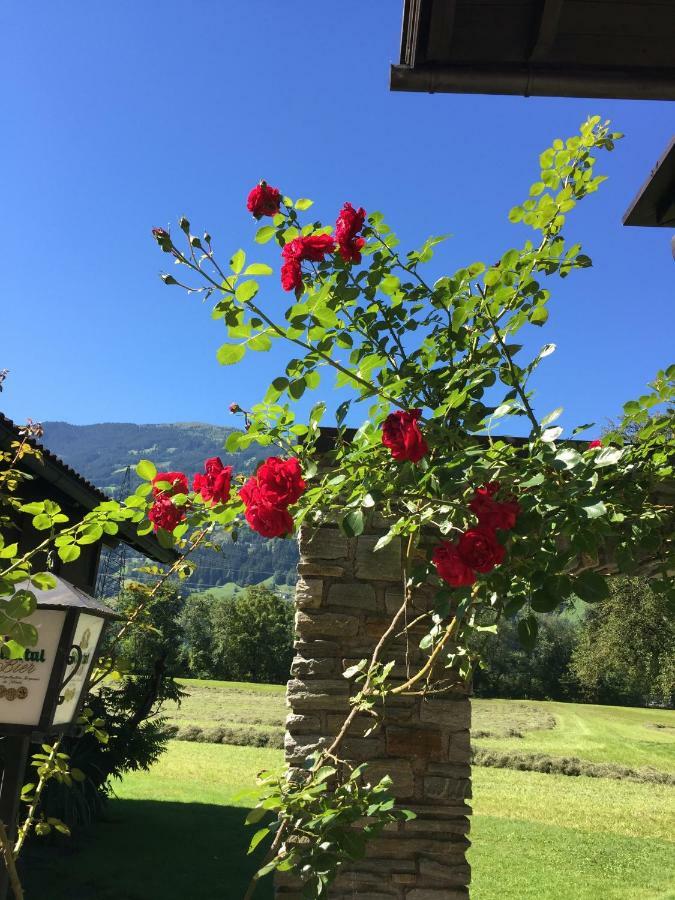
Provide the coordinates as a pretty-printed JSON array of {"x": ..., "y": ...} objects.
[
  {"x": 496, "y": 524},
  {"x": 440, "y": 369}
]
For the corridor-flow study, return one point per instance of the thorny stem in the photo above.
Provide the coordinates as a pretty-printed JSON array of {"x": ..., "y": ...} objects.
[
  {"x": 536, "y": 429},
  {"x": 372, "y": 388},
  {"x": 25, "y": 828},
  {"x": 10, "y": 864}
]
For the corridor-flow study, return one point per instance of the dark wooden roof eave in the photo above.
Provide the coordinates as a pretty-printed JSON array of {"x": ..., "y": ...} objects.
[
  {"x": 82, "y": 492},
  {"x": 654, "y": 205},
  {"x": 568, "y": 48},
  {"x": 533, "y": 81}
]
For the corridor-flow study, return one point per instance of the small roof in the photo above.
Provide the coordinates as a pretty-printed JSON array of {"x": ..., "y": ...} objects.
[
  {"x": 64, "y": 478},
  {"x": 654, "y": 204},
  {"x": 560, "y": 48},
  {"x": 66, "y": 596}
]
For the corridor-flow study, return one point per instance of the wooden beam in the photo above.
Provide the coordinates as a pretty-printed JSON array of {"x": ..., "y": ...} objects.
[
  {"x": 547, "y": 29},
  {"x": 537, "y": 80}
]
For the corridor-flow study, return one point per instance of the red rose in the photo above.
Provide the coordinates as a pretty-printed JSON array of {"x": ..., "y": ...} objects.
[
  {"x": 349, "y": 223},
  {"x": 267, "y": 519},
  {"x": 214, "y": 486},
  {"x": 177, "y": 480},
  {"x": 291, "y": 275},
  {"x": 594, "y": 444},
  {"x": 480, "y": 549},
  {"x": 451, "y": 567},
  {"x": 163, "y": 514},
  {"x": 313, "y": 248},
  {"x": 263, "y": 200},
  {"x": 491, "y": 513},
  {"x": 402, "y": 435},
  {"x": 277, "y": 481}
]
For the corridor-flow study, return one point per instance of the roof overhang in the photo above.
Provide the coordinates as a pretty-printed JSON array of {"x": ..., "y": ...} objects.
[
  {"x": 564, "y": 48},
  {"x": 654, "y": 205},
  {"x": 50, "y": 468}
]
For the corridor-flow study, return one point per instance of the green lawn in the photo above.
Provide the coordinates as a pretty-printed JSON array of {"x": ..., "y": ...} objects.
[
  {"x": 599, "y": 734},
  {"x": 176, "y": 833}
]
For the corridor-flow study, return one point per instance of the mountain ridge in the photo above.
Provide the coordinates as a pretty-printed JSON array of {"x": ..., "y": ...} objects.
[{"x": 106, "y": 453}]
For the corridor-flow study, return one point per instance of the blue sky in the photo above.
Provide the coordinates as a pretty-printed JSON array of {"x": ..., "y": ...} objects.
[{"x": 118, "y": 117}]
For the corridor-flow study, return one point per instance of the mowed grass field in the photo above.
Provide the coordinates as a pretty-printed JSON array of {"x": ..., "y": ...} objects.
[
  {"x": 638, "y": 738},
  {"x": 177, "y": 833}
]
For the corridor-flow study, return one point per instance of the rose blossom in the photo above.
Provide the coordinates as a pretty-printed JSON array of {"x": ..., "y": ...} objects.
[
  {"x": 277, "y": 481},
  {"x": 349, "y": 223},
  {"x": 402, "y": 435},
  {"x": 594, "y": 444},
  {"x": 163, "y": 514},
  {"x": 450, "y": 565},
  {"x": 480, "y": 549},
  {"x": 263, "y": 200},
  {"x": 214, "y": 485},
  {"x": 268, "y": 520},
  {"x": 291, "y": 275},
  {"x": 492, "y": 513},
  {"x": 177, "y": 480},
  {"x": 312, "y": 247}
]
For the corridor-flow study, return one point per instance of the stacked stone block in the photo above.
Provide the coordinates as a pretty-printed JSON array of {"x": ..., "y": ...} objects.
[{"x": 346, "y": 596}]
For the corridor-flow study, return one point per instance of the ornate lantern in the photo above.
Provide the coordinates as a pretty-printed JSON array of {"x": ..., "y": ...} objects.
[{"x": 40, "y": 693}]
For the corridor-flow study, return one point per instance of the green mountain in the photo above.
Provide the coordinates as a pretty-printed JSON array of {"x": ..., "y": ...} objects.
[{"x": 107, "y": 453}]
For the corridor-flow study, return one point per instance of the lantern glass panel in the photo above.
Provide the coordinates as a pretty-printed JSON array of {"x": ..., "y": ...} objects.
[
  {"x": 86, "y": 637},
  {"x": 23, "y": 682}
]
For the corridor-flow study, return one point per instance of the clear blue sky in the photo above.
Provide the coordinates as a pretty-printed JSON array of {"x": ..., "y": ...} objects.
[{"x": 120, "y": 116}]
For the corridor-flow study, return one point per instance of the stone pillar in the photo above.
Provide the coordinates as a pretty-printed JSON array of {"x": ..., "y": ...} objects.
[{"x": 346, "y": 594}]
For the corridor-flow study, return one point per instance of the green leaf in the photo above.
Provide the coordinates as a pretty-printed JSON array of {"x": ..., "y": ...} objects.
[
  {"x": 232, "y": 442},
  {"x": 258, "y": 269},
  {"x": 257, "y": 837},
  {"x": 539, "y": 315},
  {"x": 43, "y": 581},
  {"x": 264, "y": 234},
  {"x": 554, "y": 590},
  {"x": 552, "y": 416},
  {"x": 352, "y": 524},
  {"x": 260, "y": 342},
  {"x": 608, "y": 456},
  {"x": 20, "y": 605},
  {"x": 528, "y": 628},
  {"x": 42, "y": 522},
  {"x": 595, "y": 510},
  {"x": 255, "y": 815},
  {"x": 229, "y": 354},
  {"x": 146, "y": 470},
  {"x": 591, "y": 587},
  {"x": 69, "y": 553},
  {"x": 237, "y": 261},
  {"x": 246, "y": 291},
  {"x": 296, "y": 388},
  {"x": 90, "y": 534},
  {"x": 303, "y": 203},
  {"x": 570, "y": 458},
  {"x": 551, "y": 434}
]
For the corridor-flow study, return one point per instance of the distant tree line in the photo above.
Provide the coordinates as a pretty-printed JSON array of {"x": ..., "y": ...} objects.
[
  {"x": 618, "y": 652},
  {"x": 246, "y": 637}
]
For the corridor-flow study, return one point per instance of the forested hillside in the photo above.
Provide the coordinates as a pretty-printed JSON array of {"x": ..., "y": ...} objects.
[{"x": 106, "y": 452}]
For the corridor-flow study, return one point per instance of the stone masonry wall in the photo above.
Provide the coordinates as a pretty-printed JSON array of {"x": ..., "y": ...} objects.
[{"x": 346, "y": 594}]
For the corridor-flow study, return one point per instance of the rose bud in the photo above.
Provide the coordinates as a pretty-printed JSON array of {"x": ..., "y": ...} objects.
[{"x": 163, "y": 238}]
